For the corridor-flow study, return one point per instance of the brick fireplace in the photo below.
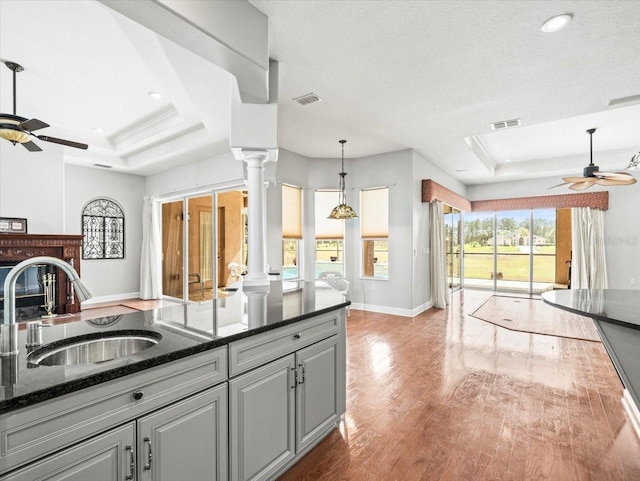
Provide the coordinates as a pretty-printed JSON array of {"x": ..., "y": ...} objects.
[{"x": 18, "y": 247}]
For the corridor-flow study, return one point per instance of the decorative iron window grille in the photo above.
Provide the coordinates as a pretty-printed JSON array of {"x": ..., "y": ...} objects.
[{"x": 103, "y": 230}]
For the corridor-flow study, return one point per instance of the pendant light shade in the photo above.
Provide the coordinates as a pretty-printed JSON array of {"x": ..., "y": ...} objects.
[{"x": 342, "y": 210}]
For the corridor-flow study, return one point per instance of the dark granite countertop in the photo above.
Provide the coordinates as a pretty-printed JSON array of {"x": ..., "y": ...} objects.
[
  {"x": 184, "y": 330},
  {"x": 617, "y": 306}
]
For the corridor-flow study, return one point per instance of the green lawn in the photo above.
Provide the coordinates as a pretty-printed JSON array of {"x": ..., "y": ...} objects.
[{"x": 514, "y": 265}]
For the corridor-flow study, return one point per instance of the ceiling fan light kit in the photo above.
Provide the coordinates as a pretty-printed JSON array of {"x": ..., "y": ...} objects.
[
  {"x": 18, "y": 130},
  {"x": 591, "y": 174}
]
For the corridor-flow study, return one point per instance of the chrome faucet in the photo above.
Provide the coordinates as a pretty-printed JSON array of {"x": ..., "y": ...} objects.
[{"x": 9, "y": 327}]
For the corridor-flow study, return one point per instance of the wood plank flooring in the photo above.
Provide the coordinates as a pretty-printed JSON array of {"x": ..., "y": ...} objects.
[{"x": 445, "y": 396}]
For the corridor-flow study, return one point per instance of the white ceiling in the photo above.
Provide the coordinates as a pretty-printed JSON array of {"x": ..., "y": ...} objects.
[{"x": 426, "y": 75}]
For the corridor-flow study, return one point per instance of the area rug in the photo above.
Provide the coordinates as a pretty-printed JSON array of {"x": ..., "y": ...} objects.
[{"x": 536, "y": 317}]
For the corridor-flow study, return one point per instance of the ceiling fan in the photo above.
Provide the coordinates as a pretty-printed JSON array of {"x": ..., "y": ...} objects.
[
  {"x": 591, "y": 174},
  {"x": 19, "y": 130}
]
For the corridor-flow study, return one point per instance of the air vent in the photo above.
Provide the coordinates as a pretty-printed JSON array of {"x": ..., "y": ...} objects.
[
  {"x": 103, "y": 166},
  {"x": 505, "y": 124},
  {"x": 307, "y": 99}
]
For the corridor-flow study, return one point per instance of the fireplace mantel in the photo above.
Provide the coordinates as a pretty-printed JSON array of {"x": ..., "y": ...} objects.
[{"x": 18, "y": 247}]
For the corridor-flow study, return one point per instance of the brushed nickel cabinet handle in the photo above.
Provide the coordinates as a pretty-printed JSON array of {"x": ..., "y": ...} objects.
[
  {"x": 147, "y": 442},
  {"x": 132, "y": 466}
]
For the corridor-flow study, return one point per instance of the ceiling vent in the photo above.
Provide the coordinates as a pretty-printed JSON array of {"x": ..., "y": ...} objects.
[
  {"x": 103, "y": 166},
  {"x": 505, "y": 124},
  {"x": 307, "y": 99}
]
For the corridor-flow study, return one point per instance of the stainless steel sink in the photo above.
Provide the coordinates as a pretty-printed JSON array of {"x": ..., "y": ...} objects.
[{"x": 93, "y": 351}]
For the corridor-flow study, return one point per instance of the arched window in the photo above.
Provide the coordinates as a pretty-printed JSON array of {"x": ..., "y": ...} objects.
[{"x": 103, "y": 230}]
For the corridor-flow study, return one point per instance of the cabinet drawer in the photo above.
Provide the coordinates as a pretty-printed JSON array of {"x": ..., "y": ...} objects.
[
  {"x": 34, "y": 431},
  {"x": 257, "y": 350}
]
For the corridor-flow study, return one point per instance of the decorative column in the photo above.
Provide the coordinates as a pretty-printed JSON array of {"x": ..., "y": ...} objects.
[{"x": 256, "y": 264}]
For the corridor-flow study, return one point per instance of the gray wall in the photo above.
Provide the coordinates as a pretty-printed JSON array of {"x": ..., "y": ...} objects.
[
  {"x": 32, "y": 186},
  {"x": 107, "y": 278},
  {"x": 51, "y": 194}
]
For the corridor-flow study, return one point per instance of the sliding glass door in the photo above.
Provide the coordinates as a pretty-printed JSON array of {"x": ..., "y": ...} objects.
[
  {"x": 203, "y": 257},
  {"x": 478, "y": 250},
  {"x": 510, "y": 250},
  {"x": 452, "y": 226}
]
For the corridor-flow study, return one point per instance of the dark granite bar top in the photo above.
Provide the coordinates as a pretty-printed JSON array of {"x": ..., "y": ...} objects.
[
  {"x": 183, "y": 332},
  {"x": 617, "y": 306}
]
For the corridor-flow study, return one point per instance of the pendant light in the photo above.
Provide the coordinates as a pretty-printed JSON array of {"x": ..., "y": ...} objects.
[{"x": 342, "y": 211}]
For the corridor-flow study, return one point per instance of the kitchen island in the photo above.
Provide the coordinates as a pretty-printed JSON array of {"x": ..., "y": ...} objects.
[
  {"x": 202, "y": 401},
  {"x": 616, "y": 314}
]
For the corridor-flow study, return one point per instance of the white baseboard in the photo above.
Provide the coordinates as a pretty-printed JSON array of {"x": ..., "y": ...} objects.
[
  {"x": 396, "y": 311},
  {"x": 112, "y": 298},
  {"x": 632, "y": 410}
]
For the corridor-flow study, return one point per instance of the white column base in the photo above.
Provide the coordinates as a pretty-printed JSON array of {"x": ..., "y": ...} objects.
[
  {"x": 632, "y": 410},
  {"x": 256, "y": 279}
]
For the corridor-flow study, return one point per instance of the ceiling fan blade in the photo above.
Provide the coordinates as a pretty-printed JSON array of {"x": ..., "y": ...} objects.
[
  {"x": 558, "y": 185},
  {"x": 31, "y": 146},
  {"x": 33, "y": 124},
  {"x": 626, "y": 181},
  {"x": 613, "y": 175},
  {"x": 68, "y": 143},
  {"x": 583, "y": 185},
  {"x": 570, "y": 180}
]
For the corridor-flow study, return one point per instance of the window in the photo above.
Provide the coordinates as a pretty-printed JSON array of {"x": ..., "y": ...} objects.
[
  {"x": 329, "y": 234},
  {"x": 291, "y": 230},
  {"x": 103, "y": 230},
  {"x": 374, "y": 230}
]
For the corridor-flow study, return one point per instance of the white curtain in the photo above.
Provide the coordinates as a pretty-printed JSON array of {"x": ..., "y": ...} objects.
[
  {"x": 438, "y": 256},
  {"x": 151, "y": 255},
  {"x": 588, "y": 266}
]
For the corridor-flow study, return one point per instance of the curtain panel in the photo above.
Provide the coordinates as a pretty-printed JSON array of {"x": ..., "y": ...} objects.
[
  {"x": 151, "y": 255},
  {"x": 438, "y": 256},
  {"x": 588, "y": 263}
]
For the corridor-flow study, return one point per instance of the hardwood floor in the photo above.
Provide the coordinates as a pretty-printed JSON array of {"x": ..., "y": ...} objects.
[{"x": 444, "y": 396}]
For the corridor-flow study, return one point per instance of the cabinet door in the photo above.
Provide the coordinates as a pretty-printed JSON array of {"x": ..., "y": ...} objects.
[
  {"x": 317, "y": 400},
  {"x": 262, "y": 417},
  {"x": 107, "y": 457},
  {"x": 185, "y": 441}
]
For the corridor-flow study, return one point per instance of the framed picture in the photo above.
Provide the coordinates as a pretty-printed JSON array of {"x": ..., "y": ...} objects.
[{"x": 13, "y": 225}]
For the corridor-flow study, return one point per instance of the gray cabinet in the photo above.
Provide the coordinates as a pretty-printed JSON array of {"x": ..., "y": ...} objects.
[
  {"x": 109, "y": 457},
  {"x": 187, "y": 440},
  {"x": 317, "y": 399},
  {"x": 262, "y": 420},
  {"x": 279, "y": 410}
]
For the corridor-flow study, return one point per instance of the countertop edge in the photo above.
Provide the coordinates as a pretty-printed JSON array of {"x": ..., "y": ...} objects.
[{"x": 593, "y": 316}]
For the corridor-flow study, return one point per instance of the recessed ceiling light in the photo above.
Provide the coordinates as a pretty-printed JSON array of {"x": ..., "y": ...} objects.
[
  {"x": 98, "y": 130},
  {"x": 154, "y": 95},
  {"x": 557, "y": 23},
  {"x": 507, "y": 160}
]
